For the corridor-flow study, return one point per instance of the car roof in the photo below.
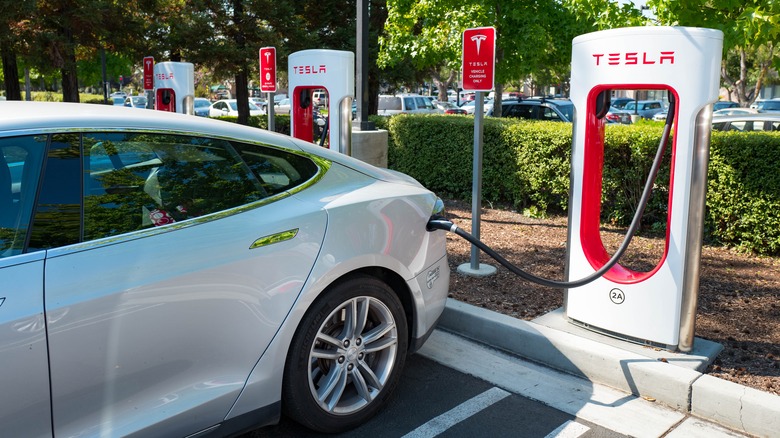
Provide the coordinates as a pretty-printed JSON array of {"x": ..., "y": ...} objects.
[
  {"x": 19, "y": 116},
  {"x": 772, "y": 117},
  {"x": 25, "y": 118},
  {"x": 534, "y": 101}
]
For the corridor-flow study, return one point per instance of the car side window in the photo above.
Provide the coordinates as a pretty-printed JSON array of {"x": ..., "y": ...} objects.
[
  {"x": 549, "y": 114},
  {"x": 278, "y": 171},
  {"x": 21, "y": 159},
  {"x": 521, "y": 111},
  {"x": 134, "y": 181},
  {"x": 409, "y": 103},
  {"x": 423, "y": 103}
]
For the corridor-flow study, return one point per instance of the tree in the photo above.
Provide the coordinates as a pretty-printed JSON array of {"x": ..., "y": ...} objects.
[
  {"x": 533, "y": 36},
  {"x": 12, "y": 31},
  {"x": 751, "y": 29}
]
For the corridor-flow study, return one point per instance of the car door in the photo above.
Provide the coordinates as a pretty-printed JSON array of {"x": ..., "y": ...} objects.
[
  {"x": 24, "y": 380},
  {"x": 181, "y": 278}
]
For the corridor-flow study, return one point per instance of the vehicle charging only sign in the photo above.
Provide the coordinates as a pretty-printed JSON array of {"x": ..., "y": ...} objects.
[
  {"x": 268, "y": 69},
  {"x": 148, "y": 73},
  {"x": 479, "y": 58}
]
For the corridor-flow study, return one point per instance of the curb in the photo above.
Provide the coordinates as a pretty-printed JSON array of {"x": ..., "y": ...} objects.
[{"x": 673, "y": 379}]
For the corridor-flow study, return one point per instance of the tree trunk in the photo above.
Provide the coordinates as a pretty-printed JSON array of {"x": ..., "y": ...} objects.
[
  {"x": 11, "y": 73},
  {"x": 242, "y": 96},
  {"x": 242, "y": 92},
  {"x": 70, "y": 79}
]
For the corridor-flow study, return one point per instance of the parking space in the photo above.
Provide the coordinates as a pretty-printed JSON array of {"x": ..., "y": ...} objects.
[{"x": 435, "y": 400}]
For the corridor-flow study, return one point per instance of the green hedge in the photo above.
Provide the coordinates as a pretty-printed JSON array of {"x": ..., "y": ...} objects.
[{"x": 527, "y": 164}]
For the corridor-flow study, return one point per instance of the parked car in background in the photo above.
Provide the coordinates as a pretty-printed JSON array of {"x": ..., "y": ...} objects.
[
  {"x": 169, "y": 276},
  {"x": 620, "y": 102},
  {"x": 769, "y": 106},
  {"x": 661, "y": 116},
  {"x": 202, "y": 106},
  {"x": 229, "y": 107},
  {"x": 645, "y": 109},
  {"x": 723, "y": 104},
  {"x": 747, "y": 122},
  {"x": 136, "y": 102},
  {"x": 615, "y": 115},
  {"x": 734, "y": 111},
  {"x": 389, "y": 105},
  {"x": 319, "y": 98},
  {"x": 449, "y": 108},
  {"x": 260, "y": 103},
  {"x": 283, "y": 106},
  {"x": 558, "y": 110},
  {"x": 470, "y": 106}
]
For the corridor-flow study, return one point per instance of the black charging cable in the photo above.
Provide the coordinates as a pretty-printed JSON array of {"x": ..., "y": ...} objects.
[{"x": 438, "y": 223}]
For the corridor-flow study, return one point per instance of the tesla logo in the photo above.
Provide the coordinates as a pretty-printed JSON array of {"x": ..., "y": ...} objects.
[
  {"x": 149, "y": 63},
  {"x": 634, "y": 58},
  {"x": 267, "y": 56},
  {"x": 478, "y": 39},
  {"x": 309, "y": 69}
]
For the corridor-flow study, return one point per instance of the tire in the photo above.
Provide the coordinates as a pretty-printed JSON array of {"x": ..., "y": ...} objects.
[{"x": 346, "y": 357}]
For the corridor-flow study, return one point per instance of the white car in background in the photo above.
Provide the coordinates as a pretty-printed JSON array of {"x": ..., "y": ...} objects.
[
  {"x": 167, "y": 275},
  {"x": 229, "y": 107}
]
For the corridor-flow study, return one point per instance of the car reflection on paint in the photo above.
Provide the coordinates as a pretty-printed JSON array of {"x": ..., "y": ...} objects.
[{"x": 201, "y": 276}]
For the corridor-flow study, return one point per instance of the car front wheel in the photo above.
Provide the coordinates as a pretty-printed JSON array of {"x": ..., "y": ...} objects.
[{"x": 346, "y": 357}]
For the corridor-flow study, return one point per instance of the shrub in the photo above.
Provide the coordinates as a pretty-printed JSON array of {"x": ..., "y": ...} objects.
[{"x": 743, "y": 193}]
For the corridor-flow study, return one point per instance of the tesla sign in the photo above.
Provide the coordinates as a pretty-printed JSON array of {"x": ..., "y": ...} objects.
[
  {"x": 479, "y": 58},
  {"x": 148, "y": 73},
  {"x": 268, "y": 69}
]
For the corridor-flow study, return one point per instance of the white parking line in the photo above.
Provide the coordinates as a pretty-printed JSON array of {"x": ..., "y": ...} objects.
[
  {"x": 458, "y": 413},
  {"x": 569, "y": 429}
]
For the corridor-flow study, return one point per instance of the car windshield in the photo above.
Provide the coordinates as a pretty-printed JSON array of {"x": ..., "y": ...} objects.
[
  {"x": 567, "y": 110},
  {"x": 200, "y": 103},
  {"x": 139, "y": 101}
]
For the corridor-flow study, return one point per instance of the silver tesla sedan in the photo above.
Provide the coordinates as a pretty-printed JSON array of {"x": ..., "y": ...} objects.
[{"x": 166, "y": 275}]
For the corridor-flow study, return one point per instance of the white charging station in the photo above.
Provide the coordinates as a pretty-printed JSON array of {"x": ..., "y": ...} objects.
[
  {"x": 657, "y": 307},
  {"x": 174, "y": 87},
  {"x": 334, "y": 71}
]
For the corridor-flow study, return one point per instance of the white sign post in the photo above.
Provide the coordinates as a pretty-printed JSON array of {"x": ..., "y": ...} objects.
[
  {"x": 479, "y": 62},
  {"x": 268, "y": 81}
]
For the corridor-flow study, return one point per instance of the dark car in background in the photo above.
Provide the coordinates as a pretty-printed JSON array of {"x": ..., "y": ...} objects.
[
  {"x": 537, "y": 109},
  {"x": 202, "y": 106},
  {"x": 723, "y": 104},
  {"x": 769, "y": 106},
  {"x": 620, "y": 102}
]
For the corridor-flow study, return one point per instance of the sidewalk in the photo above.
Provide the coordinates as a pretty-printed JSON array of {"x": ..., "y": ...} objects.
[{"x": 673, "y": 379}]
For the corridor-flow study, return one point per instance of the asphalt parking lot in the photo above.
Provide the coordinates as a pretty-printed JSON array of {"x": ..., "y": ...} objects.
[
  {"x": 455, "y": 387},
  {"x": 435, "y": 400}
]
